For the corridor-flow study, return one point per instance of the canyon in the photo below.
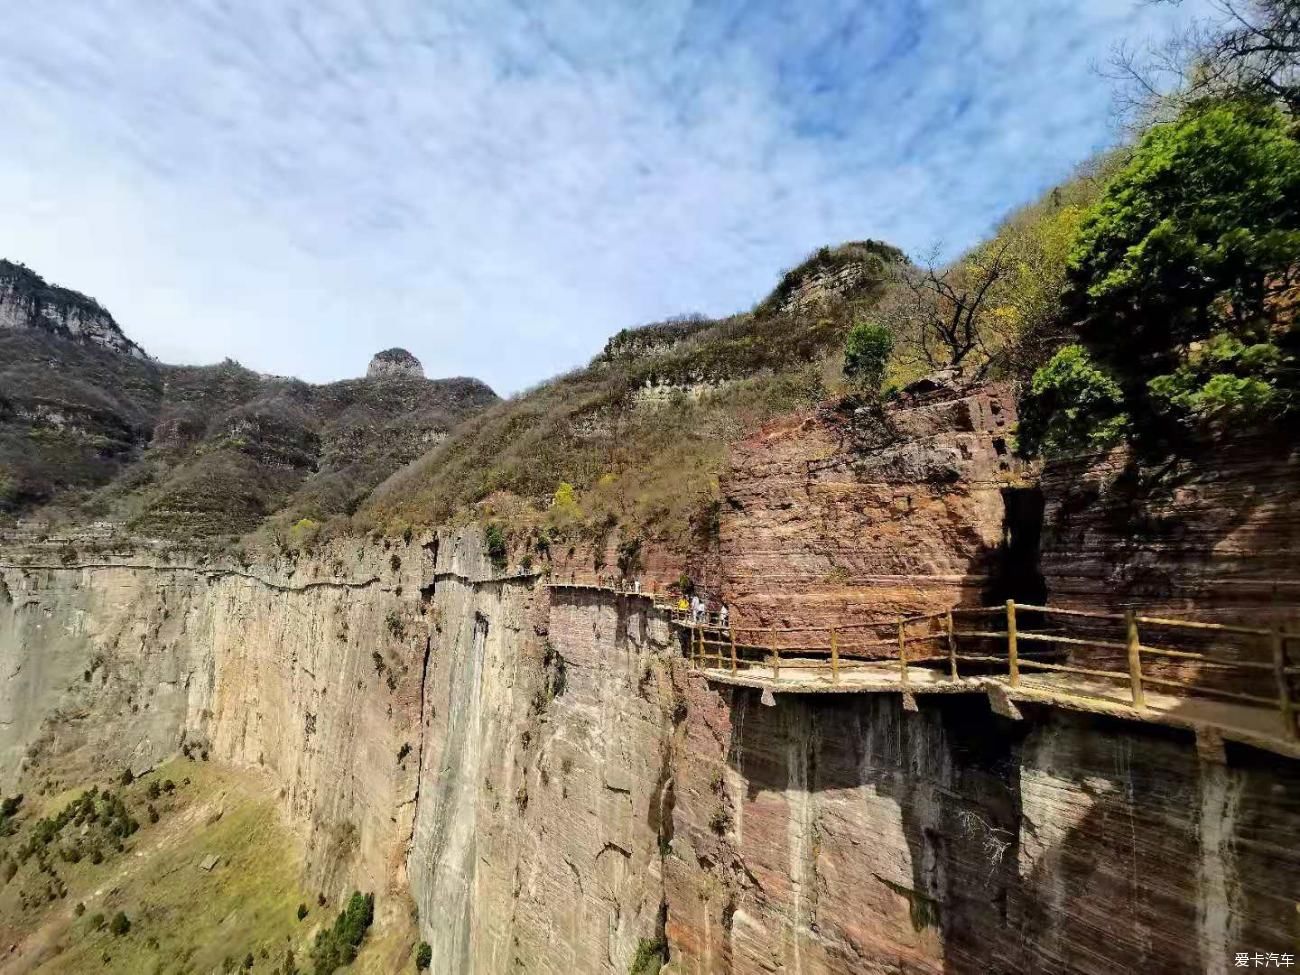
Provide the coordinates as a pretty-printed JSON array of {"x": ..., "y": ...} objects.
[{"x": 538, "y": 773}]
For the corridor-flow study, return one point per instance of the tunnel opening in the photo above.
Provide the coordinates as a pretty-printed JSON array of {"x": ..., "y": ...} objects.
[{"x": 1016, "y": 572}]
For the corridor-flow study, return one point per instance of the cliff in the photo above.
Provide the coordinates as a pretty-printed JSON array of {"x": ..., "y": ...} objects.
[
  {"x": 572, "y": 794},
  {"x": 28, "y": 303},
  {"x": 853, "y": 515},
  {"x": 557, "y": 790},
  {"x": 115, "y": 662}
]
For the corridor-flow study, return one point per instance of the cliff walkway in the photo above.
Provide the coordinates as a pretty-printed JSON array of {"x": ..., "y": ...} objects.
[
  {"x": 1219, "y": 680},
  {"x": 1213, "y": 678}
]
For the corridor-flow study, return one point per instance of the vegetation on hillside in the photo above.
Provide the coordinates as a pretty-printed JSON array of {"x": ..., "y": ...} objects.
[
  {"x": 1152, "y": 299},
  {"x": 111, "y": 877},
  {"x": 337, "y": 946},
  {"x": 1178, "y": 281},
  {"x": 202, "y": 451},
  {"x": 637, "y": 439}
]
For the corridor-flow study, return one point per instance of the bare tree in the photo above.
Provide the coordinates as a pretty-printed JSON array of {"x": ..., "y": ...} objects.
[
  {"x": 948, "y": 309},
  {"x": 1251, "y": 48}
]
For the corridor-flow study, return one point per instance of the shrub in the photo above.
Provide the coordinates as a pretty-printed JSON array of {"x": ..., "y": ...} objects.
[
  {"x": 96, "y": 921},
  {"x": 495, "y": 540},
  {"x": 154, "y": 791},
  {"x": 1072, "y": 403},
  {"x": 866, "y": 355},
  {"x": 120, "y": 924},
  {"x": 423, "y": 956},
  {"x": 566, "y": 498},
  {"x": 126, "y": 778},
  {"x": 303, "y": 534},
  {"x": 649, "y": 957},
  {"x": 80, "y": 909},
  {"x": 302, "y": 911}
]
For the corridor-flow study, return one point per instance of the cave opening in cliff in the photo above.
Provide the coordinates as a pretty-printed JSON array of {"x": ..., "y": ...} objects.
[{"x": 1016, "y": 572}]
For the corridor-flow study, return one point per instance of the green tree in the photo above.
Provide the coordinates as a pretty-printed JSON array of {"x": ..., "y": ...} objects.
[
  {"x": 1072, "y": 404},
  {"x": 1178, "y": 272},
  {"x": 337, "y": 946},
  {"x": 120, "y": 924},
  {"x": 423, "y": 956},
  {"x": 866, "y": 355}
]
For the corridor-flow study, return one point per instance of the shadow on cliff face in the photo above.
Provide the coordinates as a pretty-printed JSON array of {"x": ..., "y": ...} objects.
[
  {"x": 1064, "y": 842},
  {"x": 1218, "y": 527},
  {"x": 949, "y": 776}
]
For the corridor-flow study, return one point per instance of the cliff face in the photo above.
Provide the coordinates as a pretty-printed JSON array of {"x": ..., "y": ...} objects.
[
  {"x": 560, "y": 793},
  {"x": 28, "y": 303},
  {"x": 1219, "y": 530},
  {"x": 849, "y": 836},
  {"x": 546, "y": 781},
  {"x": 571, "y": 791},
  {"x": 835, "y": 517},
  {"x": 313, "y": 673}
]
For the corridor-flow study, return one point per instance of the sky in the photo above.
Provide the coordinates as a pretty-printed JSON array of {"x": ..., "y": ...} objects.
[{"x": 498, "y": 186}]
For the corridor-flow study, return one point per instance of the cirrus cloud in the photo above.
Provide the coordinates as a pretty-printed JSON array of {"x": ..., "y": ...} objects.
[{"x": 498, "y": 188}]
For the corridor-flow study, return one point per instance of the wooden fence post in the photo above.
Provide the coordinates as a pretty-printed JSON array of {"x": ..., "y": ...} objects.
[
  {"x": 1134, "y": 658},
  {"x": 776, "y": 663},
  {"x": 1283, "y": 684},
  {"x": 902, "y": 655},
  {"x": 835, "y": 658},
  {"x": 731, "y": 630},
  {"x": 1013, "y": 652},
  {"x": 952, "y": 646}
]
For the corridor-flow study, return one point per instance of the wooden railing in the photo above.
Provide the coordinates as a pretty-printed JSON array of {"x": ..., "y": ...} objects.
[{"x": 1018, "y": 637}]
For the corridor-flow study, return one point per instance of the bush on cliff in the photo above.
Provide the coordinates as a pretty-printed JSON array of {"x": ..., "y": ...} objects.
[
  {"x": 495, "y": 540},
  {"x": 649, "y": 957}
]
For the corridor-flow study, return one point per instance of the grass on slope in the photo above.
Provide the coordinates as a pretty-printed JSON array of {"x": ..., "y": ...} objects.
[
  {"x": 182, "y": 918},
  {"x": 642, "y": 433}
]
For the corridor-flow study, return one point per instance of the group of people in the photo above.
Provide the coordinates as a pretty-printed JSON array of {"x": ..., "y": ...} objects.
[{"x": 698, "y": 609}]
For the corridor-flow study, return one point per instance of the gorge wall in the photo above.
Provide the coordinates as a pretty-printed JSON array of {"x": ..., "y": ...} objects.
[
  {"x": 116, "y": 661},
  {"x": 557, "y": 791}
]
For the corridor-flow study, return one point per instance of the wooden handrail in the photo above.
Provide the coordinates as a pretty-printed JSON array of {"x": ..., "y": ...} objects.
[{"x": 711, "y": 645}]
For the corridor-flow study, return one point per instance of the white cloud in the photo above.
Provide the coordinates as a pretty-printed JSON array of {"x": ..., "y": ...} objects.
[{"x": 300, "y": 184}]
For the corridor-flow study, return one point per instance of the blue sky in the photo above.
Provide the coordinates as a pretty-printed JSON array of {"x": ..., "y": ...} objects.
[{"x": 498, "y": 186}]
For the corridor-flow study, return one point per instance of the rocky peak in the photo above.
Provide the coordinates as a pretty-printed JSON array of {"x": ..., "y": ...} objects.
[
  {"x": 832, "y": 273},
  {"x": 394, "y": 362},
  {"x": 27, "y": 302}
]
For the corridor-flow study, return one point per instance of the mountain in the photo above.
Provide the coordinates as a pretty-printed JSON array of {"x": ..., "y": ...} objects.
[
  {"x": 92, "y": 427},
  {"x": 29, "y": 304}
]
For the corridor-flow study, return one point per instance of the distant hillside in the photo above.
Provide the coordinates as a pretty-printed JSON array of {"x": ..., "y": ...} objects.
[
  {"x": 28, "y": 303},
  {"x": 638, "y": 437},
  {"x": 91, "y": 428}
]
